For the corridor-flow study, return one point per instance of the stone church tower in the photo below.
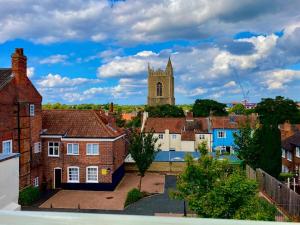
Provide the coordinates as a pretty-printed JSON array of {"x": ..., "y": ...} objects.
[{"x": 161, "y": 86}]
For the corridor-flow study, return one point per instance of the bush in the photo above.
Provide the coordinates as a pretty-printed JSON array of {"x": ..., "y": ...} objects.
[
  {"x": 133, "y": 196},
  {"x": 29, "y": 195},
  {"x": 285, "y": 176},
  {"x": 257, "y": 209}
]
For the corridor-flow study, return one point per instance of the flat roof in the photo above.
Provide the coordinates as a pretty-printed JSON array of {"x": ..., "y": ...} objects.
[
  {"x": 4, "y": 157},
  {"x": 178, "y": 156}
]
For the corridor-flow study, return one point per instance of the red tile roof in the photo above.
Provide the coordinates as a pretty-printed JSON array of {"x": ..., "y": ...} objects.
[
  {"x": 188, "y": 136},
  {"x": 79, "y": 123},
  {"x": 231, "y": 122},
  {"x": 176, "y": 125}
]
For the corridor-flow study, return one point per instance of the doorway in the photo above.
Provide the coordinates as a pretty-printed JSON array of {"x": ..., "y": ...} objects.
[{"x": 57, "y": 178}]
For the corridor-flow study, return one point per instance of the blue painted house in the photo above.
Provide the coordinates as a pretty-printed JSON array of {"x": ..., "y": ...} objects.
[{"x": 222, "y": 129}]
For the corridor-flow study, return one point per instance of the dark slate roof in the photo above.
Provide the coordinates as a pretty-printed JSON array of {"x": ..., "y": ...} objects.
[
  {"x": 5, "y": 76},
  {"x": 290, "y": 141}
]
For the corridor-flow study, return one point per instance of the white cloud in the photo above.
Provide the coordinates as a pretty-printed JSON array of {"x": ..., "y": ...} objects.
[
  {"x": 128, "y": 65},
  {"x": 230, "y": 84},
  {"x": 54, "y": 59},
  {"x": 56, "y": 80},
  {"x": 226, "y": 61},
  {"x": 139, "y": 21},
  {"x": 30, "y": 72},
  {"x": 278, "y": 79}
]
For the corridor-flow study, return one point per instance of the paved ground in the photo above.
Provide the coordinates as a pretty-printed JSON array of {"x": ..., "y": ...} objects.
[
  {"x": 159, "y": 204},
  {"x": 105, "y": 200}
]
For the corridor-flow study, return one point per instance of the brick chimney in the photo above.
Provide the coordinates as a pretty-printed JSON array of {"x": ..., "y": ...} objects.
[
  {"x": 111, "y": 107},
  {"x": 19, "y": 65},
  {"x": 286, "y": 130}
]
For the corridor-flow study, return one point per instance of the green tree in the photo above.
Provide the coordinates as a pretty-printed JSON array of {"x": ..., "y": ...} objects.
[
  {"x": 142, "y": 150},
  {"x": 204, "y": 107},
  {"x": 246, "y": 144},
  {"x": 277, "y": 111},
  {"x": 202, "y": 148},
  {"x": 268, "y": 145},
  {"x": 164, "y": 111},
  {"x": 238, "y": 109},
  {"x": 215, "y": 189}
]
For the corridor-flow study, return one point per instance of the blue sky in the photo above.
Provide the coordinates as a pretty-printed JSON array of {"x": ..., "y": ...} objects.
[{"x": 88, "y": 51}]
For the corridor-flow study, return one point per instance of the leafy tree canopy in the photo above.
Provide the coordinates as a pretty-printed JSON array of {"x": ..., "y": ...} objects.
[
  {"x": 164, "y": 111},
  {"x": 215, "y": 189},
  {"x": 203, "y": 108},
  {"x": 277, "y": 111},
  {"x": 238, "y": 109},
  {"x": 142, "y": 150}
]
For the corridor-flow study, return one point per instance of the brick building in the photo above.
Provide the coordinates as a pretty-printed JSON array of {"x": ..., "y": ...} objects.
[
  {"x": 20, "y": 119},
  {"x": 290, "y": 147},
  {"x": 82, "y": 149}
]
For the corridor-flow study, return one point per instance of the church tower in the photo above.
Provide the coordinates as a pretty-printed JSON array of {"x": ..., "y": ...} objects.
[{"x": 161, "y": 86}]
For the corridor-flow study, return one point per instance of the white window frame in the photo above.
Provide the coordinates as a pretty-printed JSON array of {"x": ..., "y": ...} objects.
[
  {"x": 297, "y": 153},
  {"x": 174, "y": 136},
  {"x": 289, "y": 156},
  {"x": 201, "y": 136},
  {"x": 37, "y": 147},
  {"x": 78, "y": 169},
  {"x": 160, "y": 136},
  {"x": 53, "y": 149},
  {"x": 36, "y": 182},
  {"x": 87, "y": 149},
  {"x": 10, "y": 143},
  {"x": 283, "y": 154},
  {"x": 31, "y": 109},
  {"x": 68, "y": 148},
  {"x": 221, "y": 131},
  {"x": 87, "y": 174}
]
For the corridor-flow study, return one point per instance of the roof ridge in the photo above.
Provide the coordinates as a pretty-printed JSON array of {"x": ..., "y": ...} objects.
[{"x": 102, "y": 123}]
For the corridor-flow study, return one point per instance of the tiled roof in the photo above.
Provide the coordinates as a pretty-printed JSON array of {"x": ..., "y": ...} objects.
[
  {"x": 290, "y": 141},
  {"x": 78, "y": 124},
  {"x": 231, "y": 122},
  {"x": 5, "y": 76},
  {"x": 176, "y": 125},
  {"x": 188, "y": 136}
]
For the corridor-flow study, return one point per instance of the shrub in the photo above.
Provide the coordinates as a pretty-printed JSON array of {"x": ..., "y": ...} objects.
[
  {"x": 133, "y": 196},
  {"x": 29, "y": 195},
  {"x": 257, "y": 209},
  {"x": 285, "y": 176}
]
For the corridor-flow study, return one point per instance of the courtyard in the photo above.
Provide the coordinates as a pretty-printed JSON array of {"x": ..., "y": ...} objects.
[{"x": 152, "y": 183}]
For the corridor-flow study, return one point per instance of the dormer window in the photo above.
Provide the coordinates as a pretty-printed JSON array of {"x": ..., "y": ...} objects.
[{"x": 31, "y": 109}]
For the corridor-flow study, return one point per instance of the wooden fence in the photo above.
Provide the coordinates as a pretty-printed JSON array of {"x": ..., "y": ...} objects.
[{"x": 285, "y": 198}]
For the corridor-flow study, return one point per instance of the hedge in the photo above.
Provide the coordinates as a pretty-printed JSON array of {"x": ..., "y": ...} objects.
[
  {"x": 29, "y": 195},
  {"x": 133, "y": 196}
]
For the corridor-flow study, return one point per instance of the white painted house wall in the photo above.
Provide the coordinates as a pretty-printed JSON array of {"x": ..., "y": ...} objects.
[
  {"x": 172, "y": 141},
  {"x": 9, "y": 185}
]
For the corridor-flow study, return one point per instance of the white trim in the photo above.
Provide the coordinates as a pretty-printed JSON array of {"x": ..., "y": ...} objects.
[
  {"x": 86, "y": 175},
  {"x": 223, "y": 132},
  {"x": 73, "y": 181},
  {"x": 86, "y": 152},
  {"x": 11, "y": 146},
  {"x": 36, "y": 182},
  {"x": 81, "y": 139},
  {"x": 92, "y": 139},
  {"x": 56, "y": 168},
  {"x": 72, "y": 148},
  {"x": 31, "y": 109},
  {"x": 50, "y": 136},
  {"x": 297, "y": 150},
  {"x": 58, "y": 149}
]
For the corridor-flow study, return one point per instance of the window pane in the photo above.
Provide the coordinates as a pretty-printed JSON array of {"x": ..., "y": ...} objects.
[
  {"x": 92, "y": 174},
  {"x": 70, "y": 151}
]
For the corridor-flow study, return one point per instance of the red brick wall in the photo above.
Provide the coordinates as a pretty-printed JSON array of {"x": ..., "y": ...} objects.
[
  {"x": 110, "y": 152},
  {"x": 20, "y": 90}
]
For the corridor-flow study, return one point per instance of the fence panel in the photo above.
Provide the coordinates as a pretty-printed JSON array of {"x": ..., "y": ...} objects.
[{"x": 282, "y": 195}]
